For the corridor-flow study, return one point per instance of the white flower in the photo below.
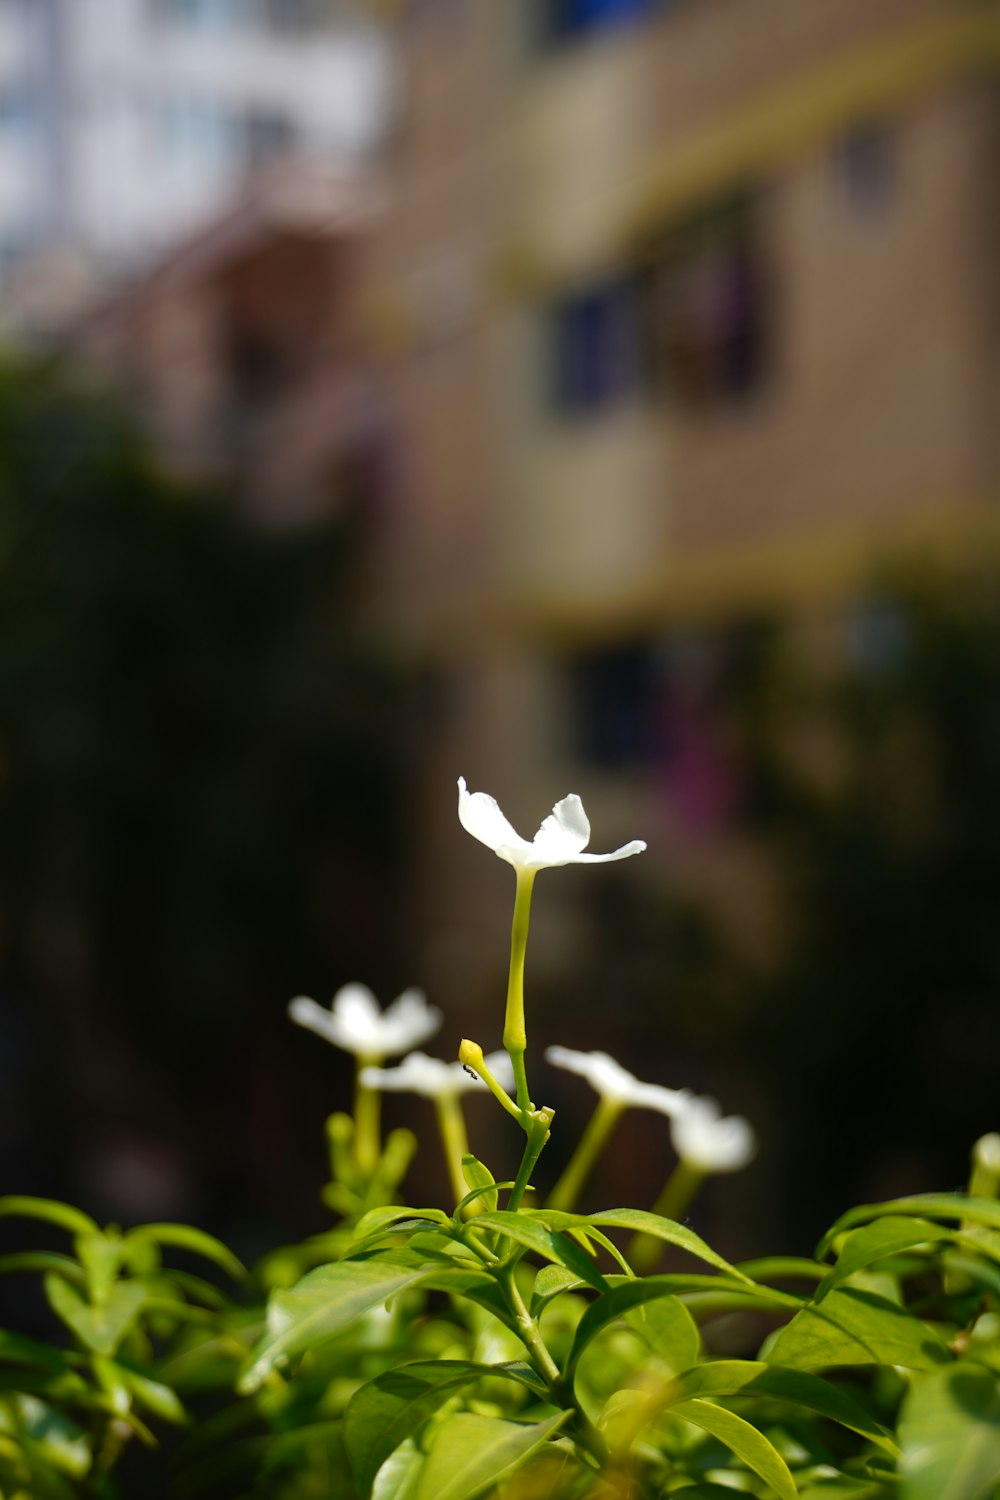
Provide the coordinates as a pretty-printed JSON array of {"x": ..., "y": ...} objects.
[
  {"x": 355, "y": 1023},
  {"x": 708, "y": 1143},
  {"x": 563, "y": 836},
  {"x": 420, "y": 1074},
  {"x": 614, "y": 1082}
]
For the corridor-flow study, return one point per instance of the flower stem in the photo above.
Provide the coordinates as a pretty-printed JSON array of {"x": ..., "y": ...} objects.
[
  {"x": 367, "y": 1121},
  {"x": 591, "y": 1144},
  {"x": 537, "y": 1125},
  {"x": 527, "y": 1327},
  {"x": 673, "y": 1203},
  {"x": 514, "y": 1035},
  {"x": 454, "y": 1139}
]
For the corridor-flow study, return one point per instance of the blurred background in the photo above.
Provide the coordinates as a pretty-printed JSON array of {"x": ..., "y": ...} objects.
[{"x": 593, "y": 395}]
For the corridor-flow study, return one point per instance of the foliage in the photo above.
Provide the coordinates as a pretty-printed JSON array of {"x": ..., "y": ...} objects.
[{"x": 514, "y": 1351}]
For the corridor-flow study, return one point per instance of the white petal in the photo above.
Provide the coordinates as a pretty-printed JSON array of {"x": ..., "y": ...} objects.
[
  {"x": 480, "y": 815},
  {"x": 416, "y": 1074},
  {"x": 708, "y": 1143},
  {"x": 564, "y": 832},
  {"x": 306, "y": 1012},
  {"x": 635, "y": 847},
  {"x": 407, "y": 1022},
  {"x": 614, "y": 1082},
  {"x": 356, "y": 1016},
  {"x": 433, "y": 1078}
]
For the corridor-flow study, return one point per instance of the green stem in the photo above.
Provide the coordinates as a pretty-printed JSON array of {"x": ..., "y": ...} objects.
[
  {"x": 527, "y": 1327},
  {"x": 595, "y": 1137},
  {"x": 537, "y": 1126},
  {"x": 367, "y": 1121},
  {"x": 515, "y": 1037},
  {"x": 454, "y": 1139},
  {"x": 674, "y": 1201}
]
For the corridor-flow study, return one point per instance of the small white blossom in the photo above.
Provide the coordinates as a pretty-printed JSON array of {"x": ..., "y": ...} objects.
[
  {"x": 355, "y": 1023},
  {"x": 708, "y": 1143},
  {"x": 560, "y": 840},
  {"x": 420, "y": 1074},
  {"x": 614, "y": 1082}
]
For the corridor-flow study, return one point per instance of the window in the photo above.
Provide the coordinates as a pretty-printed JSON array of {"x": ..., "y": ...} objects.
[
  {"x": 268, "y": 134},
  {"x": 297, "y": 15},
  {"x": 208, "y": 15},
  {"x": 705, "y": 315},
  {"x": 865, "y": 168},
  {"x": 567, "y": 18},
  {"x": 595, "y": 347},
  {"x": 197, "y": 133},
  {"x": 19, "y": 112}
]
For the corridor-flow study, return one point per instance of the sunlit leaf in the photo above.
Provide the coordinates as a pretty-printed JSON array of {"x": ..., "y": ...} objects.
[
  {"x": 525, "y": 1229},
  {"x": 639, "y": 1222},
  {"x": 468, "y": 1454},
  {"x": 668, "y": 1331},
  {"x": 186, "y": 1237},
  {"x": 737, "y": 1377},
  {"x": 323, "y": 1303},
  {"x": 99, "y": 1328},
  {"x": 749, "y": 1445},
  {"x": 949, "y": 1432},
  {"x": 51, "y": 1211},
  {"x": 855, "y": 1327},
  {"x": 983, "y": 1211},
  {"x": 631, "y": 1294},
  {"x": 393, "y": 1406}
]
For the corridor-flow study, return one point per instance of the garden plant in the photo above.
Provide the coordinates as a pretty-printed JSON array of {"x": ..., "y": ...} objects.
[{"x": 501, "y": 1345}]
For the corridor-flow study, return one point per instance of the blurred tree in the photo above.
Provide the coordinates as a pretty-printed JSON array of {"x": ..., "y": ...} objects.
[
  {"x": 198, "y": 817},
  {"x": 877, "y": 787}
]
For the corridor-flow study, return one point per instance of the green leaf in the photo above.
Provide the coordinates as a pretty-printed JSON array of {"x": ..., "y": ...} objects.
[
  {"x": 879, "y": 1240},
  {"x": 783, "y": 1268},
  {"x": 550, "y": 1281},
  {"x": 744, "y": 1440},
  {"x": 525, "y": 1229},
  {"x": 949, "y": 1431},
  {"x": 668, "y": 1331},
  {"x": 377, "y": 1219},
  {"x": 50, "y": 1210},
  {"x": 101, "y": 1258},
  {"x": 99, "y": 1328},
  {"x": 631, "y": 1294},
  {"x": 640, "y": 1222},
  {"x": 153, "y": 1395},
  {"x": 468, "y": 1454},
  {"x": 983, "y": 1211},
  {"x": 479, "y": 1177},
  {"x": 323, "y": 1303},
  {"x": 44, "y": 1260},
  {"x": 855, "y": 1327},
  {"x": 739, "y": 1377},
  {"x": 400, "y": 1474},
  {"x": 58, "y": 1440},
  {"x": 391, "y": 1408},
  {"x": 186, "y": 1237}
]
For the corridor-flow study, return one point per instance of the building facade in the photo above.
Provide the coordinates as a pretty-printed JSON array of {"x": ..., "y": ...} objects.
[
  {"x": 127, "y": 124},
  {"x": 688, "y": 315}
]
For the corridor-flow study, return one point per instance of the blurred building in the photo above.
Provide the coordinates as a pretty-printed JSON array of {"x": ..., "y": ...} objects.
[
  {"x": 665, "y": 314},
  {"x": 688, "y": 312},
  {"x": 241, "y": 350},
  {"x": 125, "y": 124}
]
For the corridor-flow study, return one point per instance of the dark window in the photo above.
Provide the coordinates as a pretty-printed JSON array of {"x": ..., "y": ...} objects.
[
  {"x": 567, "y": 18},
  {"x": 595, "y": 347},
  {"x": 705, "y": 323},
  {"x": 296, "y": 15},
  {"x": 865, "y": 167},
  {"x": 267, "y": 135}
]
